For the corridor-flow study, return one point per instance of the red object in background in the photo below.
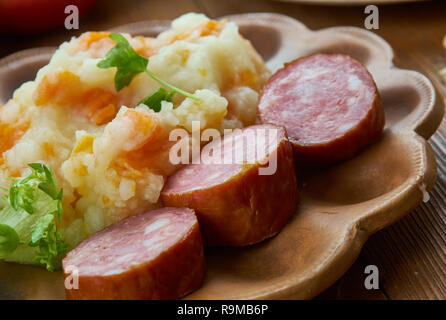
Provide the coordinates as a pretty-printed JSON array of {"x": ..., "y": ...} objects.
[{"x": 33, "y": 16}]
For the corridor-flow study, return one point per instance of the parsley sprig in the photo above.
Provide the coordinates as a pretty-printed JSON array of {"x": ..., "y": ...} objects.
[{"x": 129, "y": 64}]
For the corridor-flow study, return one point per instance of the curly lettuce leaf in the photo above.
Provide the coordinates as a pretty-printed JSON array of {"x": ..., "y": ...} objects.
[
  {"x": 33, "y": 204},
  {"x": 9, "y": 240},
  {"x": 49, "y": 241},
  {"x": 22, "y": 194}
]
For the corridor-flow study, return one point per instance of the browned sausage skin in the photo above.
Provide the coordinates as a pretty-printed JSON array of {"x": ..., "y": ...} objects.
[
  {"x": 156, "y": 255},
  {"x": 329, "y": 105},
  {"x": 236, "y": 205}
]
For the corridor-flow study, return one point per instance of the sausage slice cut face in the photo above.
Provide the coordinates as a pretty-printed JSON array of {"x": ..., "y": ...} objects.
[
  {"x": 244, "y": 188},
  {"x": 329, "y": 105},
  {"x": 156, "y": 255}
]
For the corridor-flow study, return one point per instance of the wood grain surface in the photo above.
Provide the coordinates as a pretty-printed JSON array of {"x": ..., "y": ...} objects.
[{"x": 411, "y": 254}]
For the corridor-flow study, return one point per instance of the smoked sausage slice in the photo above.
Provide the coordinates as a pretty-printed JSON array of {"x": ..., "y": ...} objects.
[
  {"x": 156, "y": 255},
  {"x": 239, "y": 202},
  {"x": 329, "y": 105}
]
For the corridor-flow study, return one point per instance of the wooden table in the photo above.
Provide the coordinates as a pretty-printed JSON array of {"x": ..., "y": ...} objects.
[{"x": 411, "y": 254}]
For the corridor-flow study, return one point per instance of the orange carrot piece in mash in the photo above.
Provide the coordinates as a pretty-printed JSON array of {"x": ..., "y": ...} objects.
[
  {"x": 66, "y": 89},
  {"x": 9, "y": 135},
  {"x": 104, "y": 115},
  {"x": 207, "y": 28},
  {"x": 152, "y": 153},
  {"x": 98, "y": 105},
  {"x": 96, "y": 42},
  {"x": 58, "y": 87}
]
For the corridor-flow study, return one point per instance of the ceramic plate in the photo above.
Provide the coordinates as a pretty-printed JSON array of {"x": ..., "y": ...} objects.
[{"x": 340, "y": 206}]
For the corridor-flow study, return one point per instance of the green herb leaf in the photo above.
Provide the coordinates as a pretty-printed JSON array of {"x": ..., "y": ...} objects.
[
  {"x": 50, "y": 242},
  {"x": 129, "y": 64},
  {"x": 9, "y": 240},
  {"x": 125, "y": 59},
  {"x": 22, "y": 193},
  {"x": 48, "y": 180},
  {"x": 27, "y": 224},
  {"x": 22, "y": 190},
  {"x": 153, "y": 101},
  {"x": 41, "y": 228}
]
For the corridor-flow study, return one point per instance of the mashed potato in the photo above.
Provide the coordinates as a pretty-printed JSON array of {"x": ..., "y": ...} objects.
[{"x": 109, "y": 154}]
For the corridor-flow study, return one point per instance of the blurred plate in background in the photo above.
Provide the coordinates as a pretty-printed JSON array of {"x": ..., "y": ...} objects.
[{"x": 349, "y": 2}]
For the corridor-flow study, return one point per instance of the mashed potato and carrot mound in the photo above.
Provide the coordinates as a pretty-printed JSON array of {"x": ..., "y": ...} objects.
[{"x": 111, "y": 155}]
